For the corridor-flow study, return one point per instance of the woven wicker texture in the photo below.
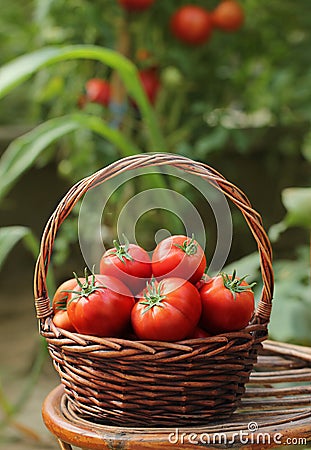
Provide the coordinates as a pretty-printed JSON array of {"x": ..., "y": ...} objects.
[
  {"x": 275, "y": 411},
  {"x": 154, "y": 383}
]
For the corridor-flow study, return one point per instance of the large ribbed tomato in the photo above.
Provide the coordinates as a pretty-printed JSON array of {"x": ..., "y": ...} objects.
[
  {"x": 130, "y": 263},
  {"x": 227, "y": 303},
  {"x": 100, "y": 306},
  {"x": 168, "y": 310},
  {"x": 191, "y": 24},
  {"x": 179, "y": 256}
]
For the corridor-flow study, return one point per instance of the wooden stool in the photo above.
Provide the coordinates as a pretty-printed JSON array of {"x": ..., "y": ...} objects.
[{"x": 275, "y": 411}]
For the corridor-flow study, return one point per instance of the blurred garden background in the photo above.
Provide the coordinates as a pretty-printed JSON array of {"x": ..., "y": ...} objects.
[{"x": 83, "y": 84}]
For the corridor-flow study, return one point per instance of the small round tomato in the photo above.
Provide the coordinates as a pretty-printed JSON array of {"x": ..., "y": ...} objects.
[
  {"x": 100, "y": 306},
  {"x": 150, "y": 83},
  {"x": 59, "y": 304},
  {"x": 130, "y": 263},
  {"x": 167, "y": 310},
  {"x": 179, "y": 256},
  {"x": 98, "y": 91},
  {"x": 228, "y": 16},
  {"x": 191, "y": 24},
  {"x": 227, "y": 304},
  {"x": 136, "y": 5}
]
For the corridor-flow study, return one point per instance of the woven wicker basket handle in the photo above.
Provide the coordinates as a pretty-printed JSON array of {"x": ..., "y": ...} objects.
[{"x": 253, "y": 219}]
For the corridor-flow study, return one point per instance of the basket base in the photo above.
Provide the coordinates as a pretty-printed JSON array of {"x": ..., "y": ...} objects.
[{"x": 269, "y": 411}]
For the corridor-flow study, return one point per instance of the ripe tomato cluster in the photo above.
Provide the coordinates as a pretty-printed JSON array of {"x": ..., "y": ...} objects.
[
  {"x": 98, "y": 90},
  {"x": 193, "y": 24},
  {"x": 166, "y": 297}
]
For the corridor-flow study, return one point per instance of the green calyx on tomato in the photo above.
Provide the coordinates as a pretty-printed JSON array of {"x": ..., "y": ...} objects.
[
  {"x": 189, "y": 247},
  {"x": 61, "y": 304},
  {"x": 152, "y": 295},
  {"x": 235, "y": 285},
  {"x": 87, "y": 287},
  {"x": 121, "y": 251}
]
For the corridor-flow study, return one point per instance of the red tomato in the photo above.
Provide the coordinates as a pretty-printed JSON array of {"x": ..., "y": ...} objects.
[
  {"x": 98, "y": 91},
  {"x": 228, "y": 16},
  {"x": 151, "y": 83},
  {"x": 202, "y": 281},
  {"x": 191, "y": 24},
  {"x": 227, "y": 304},
  {"x": 129, "y": 263},
  {"x": 179, "y": 256},
  {"x": 61, "y": 320},
  {"x": 168, "y": 310},
  {"x": 101, "y": 306},
  {"x": 59, "y": 304},
  {"x": 136, "y": 5},
  {"x": 199, "y": 333}
]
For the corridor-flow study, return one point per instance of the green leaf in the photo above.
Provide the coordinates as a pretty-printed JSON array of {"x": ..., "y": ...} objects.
[
  {"x": 22, "y": 68},
  {"x": 249, "y": 264},
  {"x": 291, "y": 312},
  {"x": 9, "y": 237},
  {"x": 297, "y": 201},
  {"x": 306, "y": 146},
  {"x": 24, "y": 151}
]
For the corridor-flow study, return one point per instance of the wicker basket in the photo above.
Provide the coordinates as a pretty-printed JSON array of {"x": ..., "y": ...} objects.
[{"x": 134, "y": 383}]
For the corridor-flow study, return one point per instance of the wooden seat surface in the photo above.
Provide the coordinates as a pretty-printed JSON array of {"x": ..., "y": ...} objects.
[{"x": 275, "y": 411}]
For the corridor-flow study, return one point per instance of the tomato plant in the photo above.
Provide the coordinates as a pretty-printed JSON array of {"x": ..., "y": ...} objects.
[
  {"x": 191, "y": 24},
  {"x": 130, "y": 263},
  {"x": 168, "y": 310},
  {"x": 227, "y": 303},
  {"x": 228, "y": 16},
  {"x": 136, "y": 5},
  {"x": 59, "y": 304},
  {"x": 98, "y": 91},
  {"x": 100, "y": 306},
  {"x": 179, "y": 256}
]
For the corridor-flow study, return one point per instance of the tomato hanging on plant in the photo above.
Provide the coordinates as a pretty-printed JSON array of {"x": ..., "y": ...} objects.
[
  {"x": 191, "y": 24},
  {"x": 150, "y": 82},
  {"x": 130, "y": 263},
  {"x": 98, "y": 90},
  {"x": 167, "y": 310},
  {"x": 227, "y": 303},
  {"x": 228, "y": 16},
  {"x": 179, "y": 256},
  {"x": 100, "y": 306}
]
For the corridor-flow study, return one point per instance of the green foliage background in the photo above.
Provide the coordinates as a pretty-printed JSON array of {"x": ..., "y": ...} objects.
[{"x": 242, "y": 101}]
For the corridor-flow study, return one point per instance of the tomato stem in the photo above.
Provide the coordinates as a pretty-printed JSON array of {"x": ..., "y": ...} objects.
[
  {"x": 87, "y": 287},
  {"x": 121, "y": 250},
  {"x": 189, "y": 247},
  {"x": 235, "y": 284},
  {"x": 152, "y": 295}
]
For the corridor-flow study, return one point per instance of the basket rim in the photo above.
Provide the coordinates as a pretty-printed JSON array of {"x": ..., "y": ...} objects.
[{"x": 76, "y": 192}]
